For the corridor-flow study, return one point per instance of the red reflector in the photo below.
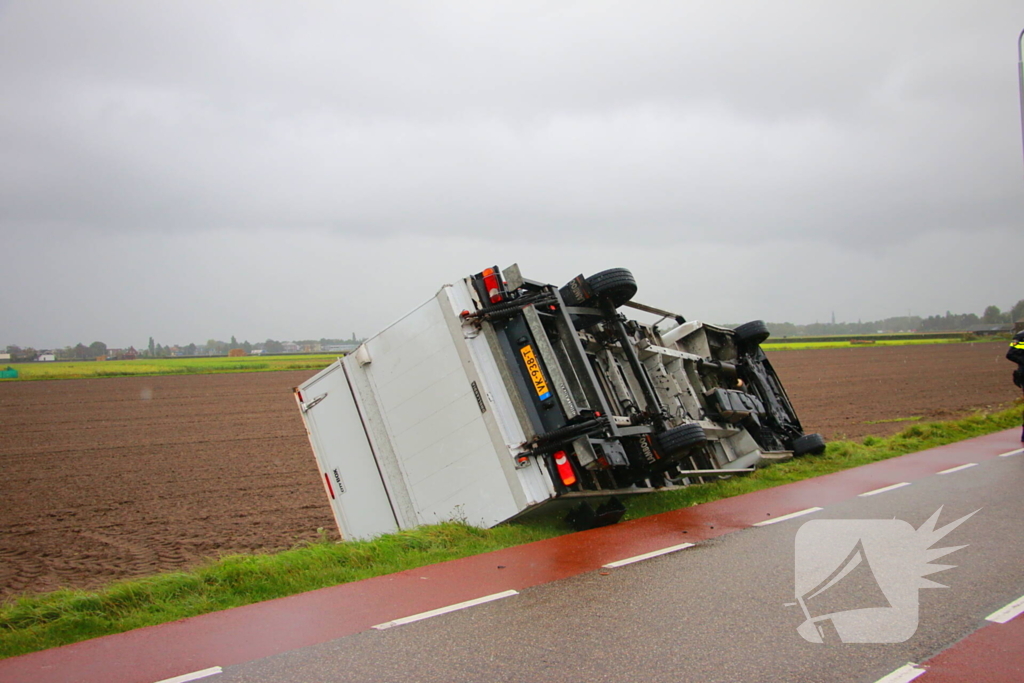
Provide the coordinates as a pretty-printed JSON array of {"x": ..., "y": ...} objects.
[
  {"x": 330, "y": 489},
  {"x": 491, "y": 285},
  {"x": 565, "y": 468},
  {"x": 299, "y": 393}
]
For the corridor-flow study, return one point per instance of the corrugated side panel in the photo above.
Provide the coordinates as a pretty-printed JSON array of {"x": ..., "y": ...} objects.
[
  {"x": 434, "y": 423},
  {"x": 353, "y": 482}
]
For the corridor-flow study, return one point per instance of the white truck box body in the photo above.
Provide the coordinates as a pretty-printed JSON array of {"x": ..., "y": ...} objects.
[
  {"x": 500, "y": 394},
  {"x": 416, "y": 428}
]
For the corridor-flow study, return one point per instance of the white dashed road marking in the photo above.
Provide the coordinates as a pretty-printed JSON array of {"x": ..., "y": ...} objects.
[
  {"x": 647, "y": 556},
  {"x": 958, "y": 468},
  {"x": 783, "y": 518},
  {"x": 1007, "y": 454},
  {"x": 904, "y": 674},
  {"x": 194, "y": 676},
  {"x": 884, "y": 489},
  {"x": 445, "y": 610},
  {"x": 1001, "y": 616}
]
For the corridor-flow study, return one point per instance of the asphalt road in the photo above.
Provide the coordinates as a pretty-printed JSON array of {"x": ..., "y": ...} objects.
[{"x": 712, "y": 612}]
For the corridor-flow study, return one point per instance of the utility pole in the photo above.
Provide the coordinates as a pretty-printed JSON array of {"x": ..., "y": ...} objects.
[{"x": 1020, "y": 80}]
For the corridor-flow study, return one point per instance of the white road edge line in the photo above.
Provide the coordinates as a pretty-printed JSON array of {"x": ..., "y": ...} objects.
[
  {"x": 904, "y": 674},
  {"x": 1001, "y": 616},
  {"x": 1007, "y": 454},
  {"x": 791, "y": 515},
  {"x": 647, "y": 556},
  {"x": 445, "y": 610},
  {"x": 194, "y": 676},
  {"x": 957, "y": 468},
  {"x": 884, "y": 489}
]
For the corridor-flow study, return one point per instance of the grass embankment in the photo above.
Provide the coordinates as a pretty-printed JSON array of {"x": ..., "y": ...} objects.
[
  {"x": 39, "y": 622},
  {"x": 168, "y": 366}
]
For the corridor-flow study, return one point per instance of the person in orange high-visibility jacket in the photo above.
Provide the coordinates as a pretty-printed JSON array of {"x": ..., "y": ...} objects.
[{"x": 1016, "y": 354}]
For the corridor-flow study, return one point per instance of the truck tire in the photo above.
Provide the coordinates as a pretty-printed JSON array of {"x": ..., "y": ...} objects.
[
  {"x": 808, "y": 444},
  {"x": 617, "y": 285},
  {"x": 679, "y": 440},
  {"x": 753, "y": 333}
]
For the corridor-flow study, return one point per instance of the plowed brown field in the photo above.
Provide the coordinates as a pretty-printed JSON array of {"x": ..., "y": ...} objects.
[
  {"x": 112, "y": 478},
  {"x": 839, "y": 392}
]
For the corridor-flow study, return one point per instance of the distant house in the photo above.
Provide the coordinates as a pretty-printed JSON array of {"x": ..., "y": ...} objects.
[
  {"x": 46, "y": 357},
  {"x": 341, "y": 348},
  {"x": 256, "y": 352},
  {"x": 5, "y": 356},
  {"x": 989, "y": 329},
  {"x": 290, "y": 347}
]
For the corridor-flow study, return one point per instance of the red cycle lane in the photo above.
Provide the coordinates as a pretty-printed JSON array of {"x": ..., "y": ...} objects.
[
  {"x": 993, "y": 654},
  {"x": 255, "y": 631}
]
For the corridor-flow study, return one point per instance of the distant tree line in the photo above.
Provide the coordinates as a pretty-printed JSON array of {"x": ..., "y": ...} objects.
[
  {"x": 951, "y": 322},
  {"x": 898, "y": 324},
  {"x": 77, "y": 352},
  {"x": 215, "y": 347},
  {"x": 212, "y": 347}
]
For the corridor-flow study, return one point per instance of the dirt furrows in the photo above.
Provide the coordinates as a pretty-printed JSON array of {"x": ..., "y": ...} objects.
[{"x": 107, "y": 479}]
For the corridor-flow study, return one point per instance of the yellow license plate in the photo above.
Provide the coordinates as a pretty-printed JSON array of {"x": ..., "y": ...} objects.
[{"x": 536, "y": 374}]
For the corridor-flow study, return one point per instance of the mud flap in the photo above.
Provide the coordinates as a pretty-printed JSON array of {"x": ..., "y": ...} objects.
[{"x": 583, "y": 517}]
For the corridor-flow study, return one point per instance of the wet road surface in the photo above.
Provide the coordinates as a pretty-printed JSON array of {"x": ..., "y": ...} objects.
[{"x": 712, "y": 612}]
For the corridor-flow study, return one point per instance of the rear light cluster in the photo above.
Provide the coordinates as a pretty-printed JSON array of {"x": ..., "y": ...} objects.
[
  {"x": 565, "y": 468},
  {"x": 492, "y": 286}
]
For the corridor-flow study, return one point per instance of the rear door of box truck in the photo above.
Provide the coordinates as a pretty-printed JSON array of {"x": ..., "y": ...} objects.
[{"x": 348, "y": 467}]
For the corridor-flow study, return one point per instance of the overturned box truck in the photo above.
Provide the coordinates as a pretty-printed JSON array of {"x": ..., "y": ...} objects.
[{"x": 501, "y": 395}]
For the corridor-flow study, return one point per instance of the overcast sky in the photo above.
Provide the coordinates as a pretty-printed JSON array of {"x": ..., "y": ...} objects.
[{"x": 187, "y": 170}]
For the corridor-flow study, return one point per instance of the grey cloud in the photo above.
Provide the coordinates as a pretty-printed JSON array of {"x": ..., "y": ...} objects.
[
  {"x": 740, "y": 120},
  {"x": 861, "y": 128}
]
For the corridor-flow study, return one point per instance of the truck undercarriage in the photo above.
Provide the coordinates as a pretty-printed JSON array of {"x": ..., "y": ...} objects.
[
  {"x": 614, "y": 404},
  {"x": 562, "y": 395}
]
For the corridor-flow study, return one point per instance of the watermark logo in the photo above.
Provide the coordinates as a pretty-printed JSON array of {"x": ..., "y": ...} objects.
[{"x": 857, "y": 580}]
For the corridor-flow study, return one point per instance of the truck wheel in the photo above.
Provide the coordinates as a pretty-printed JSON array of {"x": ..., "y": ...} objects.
[
  {"x": 617, "y": 285},
  {"x": 808, "y": 444},
  {"x": 753, "y": 333},
  {"x": 679, "y": 440}
]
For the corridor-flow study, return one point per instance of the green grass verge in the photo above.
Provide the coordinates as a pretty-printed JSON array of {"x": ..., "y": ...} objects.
[
  {"x": 38, "y": 622},
  {"x": 167, "y": 366}
]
